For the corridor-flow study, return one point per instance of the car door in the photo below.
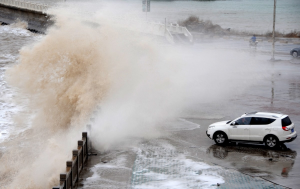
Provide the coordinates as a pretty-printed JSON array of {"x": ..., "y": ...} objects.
[
  {"x": 240, "y": 130},
  {"x": 259, "y": 127}
]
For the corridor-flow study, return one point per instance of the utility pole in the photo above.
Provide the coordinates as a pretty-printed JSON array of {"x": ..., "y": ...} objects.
[{"x": 273, "y": 36}]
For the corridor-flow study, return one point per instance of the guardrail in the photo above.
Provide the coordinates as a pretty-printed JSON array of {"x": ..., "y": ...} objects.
[
  {"x": 25, "y": 5},
  {"x": 69, "y": 179}
]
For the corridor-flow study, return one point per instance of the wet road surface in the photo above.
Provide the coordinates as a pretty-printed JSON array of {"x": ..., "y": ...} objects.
[{"x": 279, "y": 93}]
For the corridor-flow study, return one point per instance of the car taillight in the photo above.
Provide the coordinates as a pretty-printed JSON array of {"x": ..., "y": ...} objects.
[{"x": 285, "y": 128}]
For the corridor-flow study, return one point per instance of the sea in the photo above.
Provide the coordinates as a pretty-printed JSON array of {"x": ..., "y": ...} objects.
[{"x": 240, "y": 15}]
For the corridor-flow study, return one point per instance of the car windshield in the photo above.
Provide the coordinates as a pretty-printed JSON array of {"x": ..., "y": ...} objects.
[{"x": 228, "y": 121}]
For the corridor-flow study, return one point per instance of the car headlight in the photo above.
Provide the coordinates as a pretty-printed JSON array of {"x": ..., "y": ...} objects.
[{"x": 211, "y": 126}]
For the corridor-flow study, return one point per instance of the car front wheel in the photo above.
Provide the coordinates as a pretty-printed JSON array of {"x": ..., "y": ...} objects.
[
  {"x": 295, "y": 54},
  {"x": 271, "y": 141},
  {"x": 220, "y": 138}
]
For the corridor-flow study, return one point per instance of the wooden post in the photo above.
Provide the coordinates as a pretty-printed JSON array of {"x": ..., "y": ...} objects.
[
  {"x": 69, "y": 166},
  {"x": 75, "y": 154},
  {"x": 63, "y": 178},
  {"x": 80, "y": 144},
  {"x": 85, "y": 135}
]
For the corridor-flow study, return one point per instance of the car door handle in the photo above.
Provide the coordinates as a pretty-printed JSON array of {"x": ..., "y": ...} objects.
[{"x": 246, "y": 129}]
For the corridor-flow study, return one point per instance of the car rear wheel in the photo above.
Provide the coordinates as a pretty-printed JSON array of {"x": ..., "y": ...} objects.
[
  {"x": 220, "y": 138},
  {"x": 271, "y": 141},
  {"x": 295, "y": 54}
]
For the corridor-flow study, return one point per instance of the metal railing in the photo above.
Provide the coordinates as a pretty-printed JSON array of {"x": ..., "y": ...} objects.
[
  {"x": 25, "y": 5},
  {"x": 69, "y": 179},
  {"x": 167, "y": 30},
  {"x": 180, "y": 29},
  {"x": 169, "y": 36}
]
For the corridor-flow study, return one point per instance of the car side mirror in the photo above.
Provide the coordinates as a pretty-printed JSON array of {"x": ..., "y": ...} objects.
[{"x": 232, "y": 123}]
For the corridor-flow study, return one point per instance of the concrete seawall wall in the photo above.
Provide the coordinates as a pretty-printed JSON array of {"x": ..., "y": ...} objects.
[{"x": 37, "y": 21}]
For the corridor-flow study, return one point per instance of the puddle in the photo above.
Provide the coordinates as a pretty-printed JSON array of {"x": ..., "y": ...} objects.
[{"x": 254, "y": 160}]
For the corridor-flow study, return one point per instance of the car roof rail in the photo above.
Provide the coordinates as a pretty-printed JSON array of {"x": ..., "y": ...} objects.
[
  {"x": 275, "y": 116},
  {"x": 250, "y": 113}
]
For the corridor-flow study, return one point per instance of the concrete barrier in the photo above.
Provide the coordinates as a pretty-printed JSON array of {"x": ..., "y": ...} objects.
[
  {"x": 25, "y": 5},
  {"x": 69, "y": 179},
  {"x": 38, "y": 21}
]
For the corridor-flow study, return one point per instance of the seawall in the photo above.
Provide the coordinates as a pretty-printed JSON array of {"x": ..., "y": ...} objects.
[{"x": 37, "y": 21}]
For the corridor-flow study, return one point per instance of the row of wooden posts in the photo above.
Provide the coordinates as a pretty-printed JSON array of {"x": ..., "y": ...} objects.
[{"x": 70, "y": 178}]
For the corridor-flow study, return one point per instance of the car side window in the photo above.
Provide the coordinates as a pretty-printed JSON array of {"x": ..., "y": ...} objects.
[
  {"x": 243, "y": 121},
  {"x": 261, "y": 121}
]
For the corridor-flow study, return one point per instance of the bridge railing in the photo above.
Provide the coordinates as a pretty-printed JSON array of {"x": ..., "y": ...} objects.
[{"x": 25, "y": 5}]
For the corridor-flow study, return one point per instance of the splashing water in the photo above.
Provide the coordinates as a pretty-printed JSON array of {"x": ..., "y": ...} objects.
[{"x": 138, "y": 83}]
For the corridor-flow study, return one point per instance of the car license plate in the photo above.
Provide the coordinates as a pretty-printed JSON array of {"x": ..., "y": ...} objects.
[{"x": 292, "y": 130}]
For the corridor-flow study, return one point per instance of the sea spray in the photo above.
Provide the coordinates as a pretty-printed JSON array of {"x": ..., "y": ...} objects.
[
  {"x": 64, "y": 76},
  {"x": 137, "y": 83}
]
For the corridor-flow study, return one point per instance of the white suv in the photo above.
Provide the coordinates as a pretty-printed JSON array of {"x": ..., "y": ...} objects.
[{"x": 262, "y": 127}]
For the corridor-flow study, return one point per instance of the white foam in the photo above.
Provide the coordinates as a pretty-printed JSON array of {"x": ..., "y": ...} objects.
[
  {"x": 8, "y": 107},
  {"x": 171, "y": 169},
  {"x": 7, "y": 58},
  {"x": 118, "y": 163},
  {"x": 15, "y": 31}
]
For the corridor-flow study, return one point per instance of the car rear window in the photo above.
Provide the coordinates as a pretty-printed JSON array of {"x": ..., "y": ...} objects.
[
  {"x": 286, "y": 121},
  {"x": 261, "y": 121}
]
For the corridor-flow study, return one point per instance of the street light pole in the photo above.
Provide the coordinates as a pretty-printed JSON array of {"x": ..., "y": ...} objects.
[{"x": 273, "y": 36}]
